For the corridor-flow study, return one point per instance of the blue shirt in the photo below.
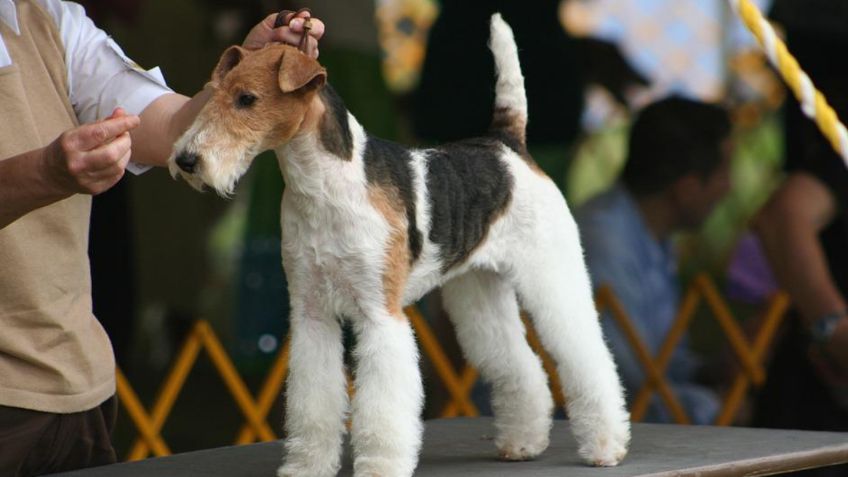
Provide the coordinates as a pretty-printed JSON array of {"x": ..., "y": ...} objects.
[{"x": 621, "y": 252}]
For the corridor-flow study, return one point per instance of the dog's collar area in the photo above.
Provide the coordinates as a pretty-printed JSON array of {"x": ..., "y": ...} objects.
[{"x": 307, "y": 25}]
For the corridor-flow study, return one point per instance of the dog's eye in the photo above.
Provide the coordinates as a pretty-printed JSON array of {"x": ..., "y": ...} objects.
[{"x": 245, "y": 100}]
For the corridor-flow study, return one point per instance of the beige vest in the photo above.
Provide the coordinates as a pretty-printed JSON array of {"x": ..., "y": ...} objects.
[{"x": 54, "y": 355}]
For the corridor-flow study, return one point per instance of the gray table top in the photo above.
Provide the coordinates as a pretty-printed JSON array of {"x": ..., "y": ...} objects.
[{"x": 454, "y": 447}]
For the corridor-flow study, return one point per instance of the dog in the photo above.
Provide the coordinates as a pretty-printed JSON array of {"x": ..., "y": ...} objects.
[{"x": 370, "y": 226}]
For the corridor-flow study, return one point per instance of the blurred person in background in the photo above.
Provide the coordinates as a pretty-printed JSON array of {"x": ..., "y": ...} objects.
[
  {"x": 677, "y": 170},
  {"x": 804, "y": 229},
  {"x": 74, "y": 109}
]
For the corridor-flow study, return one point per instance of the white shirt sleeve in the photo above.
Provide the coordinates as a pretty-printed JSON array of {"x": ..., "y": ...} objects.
[{"x": 100, "y": 76}]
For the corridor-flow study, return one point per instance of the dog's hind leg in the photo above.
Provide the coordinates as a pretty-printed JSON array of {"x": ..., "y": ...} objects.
[
  {"x": 484, "y": 311},
  {"x": 553, "y": 286},
  {"x": 387, "y": 402},
  {"x": 316, "y": 396}
]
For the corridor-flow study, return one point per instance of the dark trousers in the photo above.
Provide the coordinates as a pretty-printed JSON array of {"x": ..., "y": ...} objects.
[
  {"x": 795, "y": 398},
  {"x": 36, "y": 443}
]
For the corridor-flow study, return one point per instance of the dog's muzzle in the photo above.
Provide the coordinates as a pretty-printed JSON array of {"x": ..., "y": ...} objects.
[{"x": 187, "y": 161}]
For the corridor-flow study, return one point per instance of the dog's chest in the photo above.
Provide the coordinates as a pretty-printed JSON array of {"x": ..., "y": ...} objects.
[{"x": 333, "y": 250}]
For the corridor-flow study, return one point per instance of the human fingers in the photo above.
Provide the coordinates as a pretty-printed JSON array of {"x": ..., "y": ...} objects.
[
  {"x": 91, "y": 136},
  {"x": 118, "y": 112},
  {"x": 97, "y": 183},
  {"x": 283, "y": 18},
  {"x": 107, "y": 157},
  {"x": 316, "y": 29},
  {"x": 105, "y": 166},
  {"x": 92, "y": 172},
  {"x": 74, "y": 171},
  {"x": 290, "y": 26},
  {"x": 259, "y": 35},
  {"x": 286, "y": 35},
  {"x": 285, "y": 27}
]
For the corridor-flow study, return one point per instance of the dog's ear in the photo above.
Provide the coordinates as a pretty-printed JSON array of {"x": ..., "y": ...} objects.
[
  {"x": 231, "y": 57},
  {"x": 298, "y": 70}
]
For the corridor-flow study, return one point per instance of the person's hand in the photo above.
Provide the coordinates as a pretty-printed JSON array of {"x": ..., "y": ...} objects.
[
  {"x": 830, "y": 362},
  {"x": 91, "y": 158},
  {"x": 291, "y": 33}
]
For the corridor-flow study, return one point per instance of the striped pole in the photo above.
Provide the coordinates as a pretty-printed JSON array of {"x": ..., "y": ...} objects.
[{"x": 813, "y": 103}]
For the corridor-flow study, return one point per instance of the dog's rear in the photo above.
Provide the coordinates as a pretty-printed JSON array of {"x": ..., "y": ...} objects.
[{"x": 535, "y": 246}]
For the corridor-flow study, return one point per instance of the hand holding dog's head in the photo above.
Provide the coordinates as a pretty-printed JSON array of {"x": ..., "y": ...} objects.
[{"x": 259, "y": 102}]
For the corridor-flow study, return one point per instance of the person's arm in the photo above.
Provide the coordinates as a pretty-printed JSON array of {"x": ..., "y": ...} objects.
[
  {"x": 789, "y": 226},
  {"x": 92, "y": 158},
  {"x": 88, "y": 159},
  {"x": 71, "y": 165},
  {"x": 167, "y": 117}
]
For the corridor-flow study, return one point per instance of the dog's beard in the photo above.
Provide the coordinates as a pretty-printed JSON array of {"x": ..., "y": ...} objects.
[
  {"x": 193, "y": 180},
  {"x": 209, "y": 173},
  {"x": 219, "y": 167},
  {"x": 224, "y": 180}
]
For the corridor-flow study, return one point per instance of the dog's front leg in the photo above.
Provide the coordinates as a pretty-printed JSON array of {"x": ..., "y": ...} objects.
[
  {"x": 386, "y": 432},
  {"x": 316, "y": 393}
]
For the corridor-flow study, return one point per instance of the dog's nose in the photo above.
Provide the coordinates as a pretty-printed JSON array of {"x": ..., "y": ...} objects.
[{"x": 187, "y": 161}]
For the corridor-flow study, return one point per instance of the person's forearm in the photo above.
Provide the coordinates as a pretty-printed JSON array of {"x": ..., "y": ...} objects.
[
  {"x": 789, "y": 227},
  {"x": 801, "y": 268},
  {"x": 798, "y": 260},
  {"x": 25, "y": 186},
  {"x": 162, "y": 123}
]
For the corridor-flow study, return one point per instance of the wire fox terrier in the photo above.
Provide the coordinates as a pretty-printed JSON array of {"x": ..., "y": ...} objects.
[{"x": 370, "y": 226}]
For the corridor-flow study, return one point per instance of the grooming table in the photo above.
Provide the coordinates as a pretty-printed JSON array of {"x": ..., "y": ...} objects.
[{"x": 454, "y": 447}]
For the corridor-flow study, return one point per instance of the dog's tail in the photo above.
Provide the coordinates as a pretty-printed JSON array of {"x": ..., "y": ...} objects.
[{"x": 509, "y": 120}]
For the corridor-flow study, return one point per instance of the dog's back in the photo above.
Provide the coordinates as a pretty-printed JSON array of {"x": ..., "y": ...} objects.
[{"x": 452, "y": 194}]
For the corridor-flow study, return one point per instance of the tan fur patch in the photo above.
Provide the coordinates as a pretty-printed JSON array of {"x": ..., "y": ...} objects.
[
  {"x": 397, "y": 256},
  {"x": 512, "y": 124},
  {"x": 535, "y": 167},
  {"x": 314, "y": 116}
]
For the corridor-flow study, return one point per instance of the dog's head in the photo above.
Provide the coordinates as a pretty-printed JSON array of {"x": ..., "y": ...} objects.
[{"x": 259, "y": 102}]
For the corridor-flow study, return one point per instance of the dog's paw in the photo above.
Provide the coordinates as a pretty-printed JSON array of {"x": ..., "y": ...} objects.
[
  {"x": 522, "y": 448},
  {"x": 524, "y": 438},
  {"x": 286, "y": 471},
  {"x": 605, "y": 453},
  {"x": 524, "y": 442},
  {"x": 365, "y": 466},
  {"x": 606, "y": 449}
]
